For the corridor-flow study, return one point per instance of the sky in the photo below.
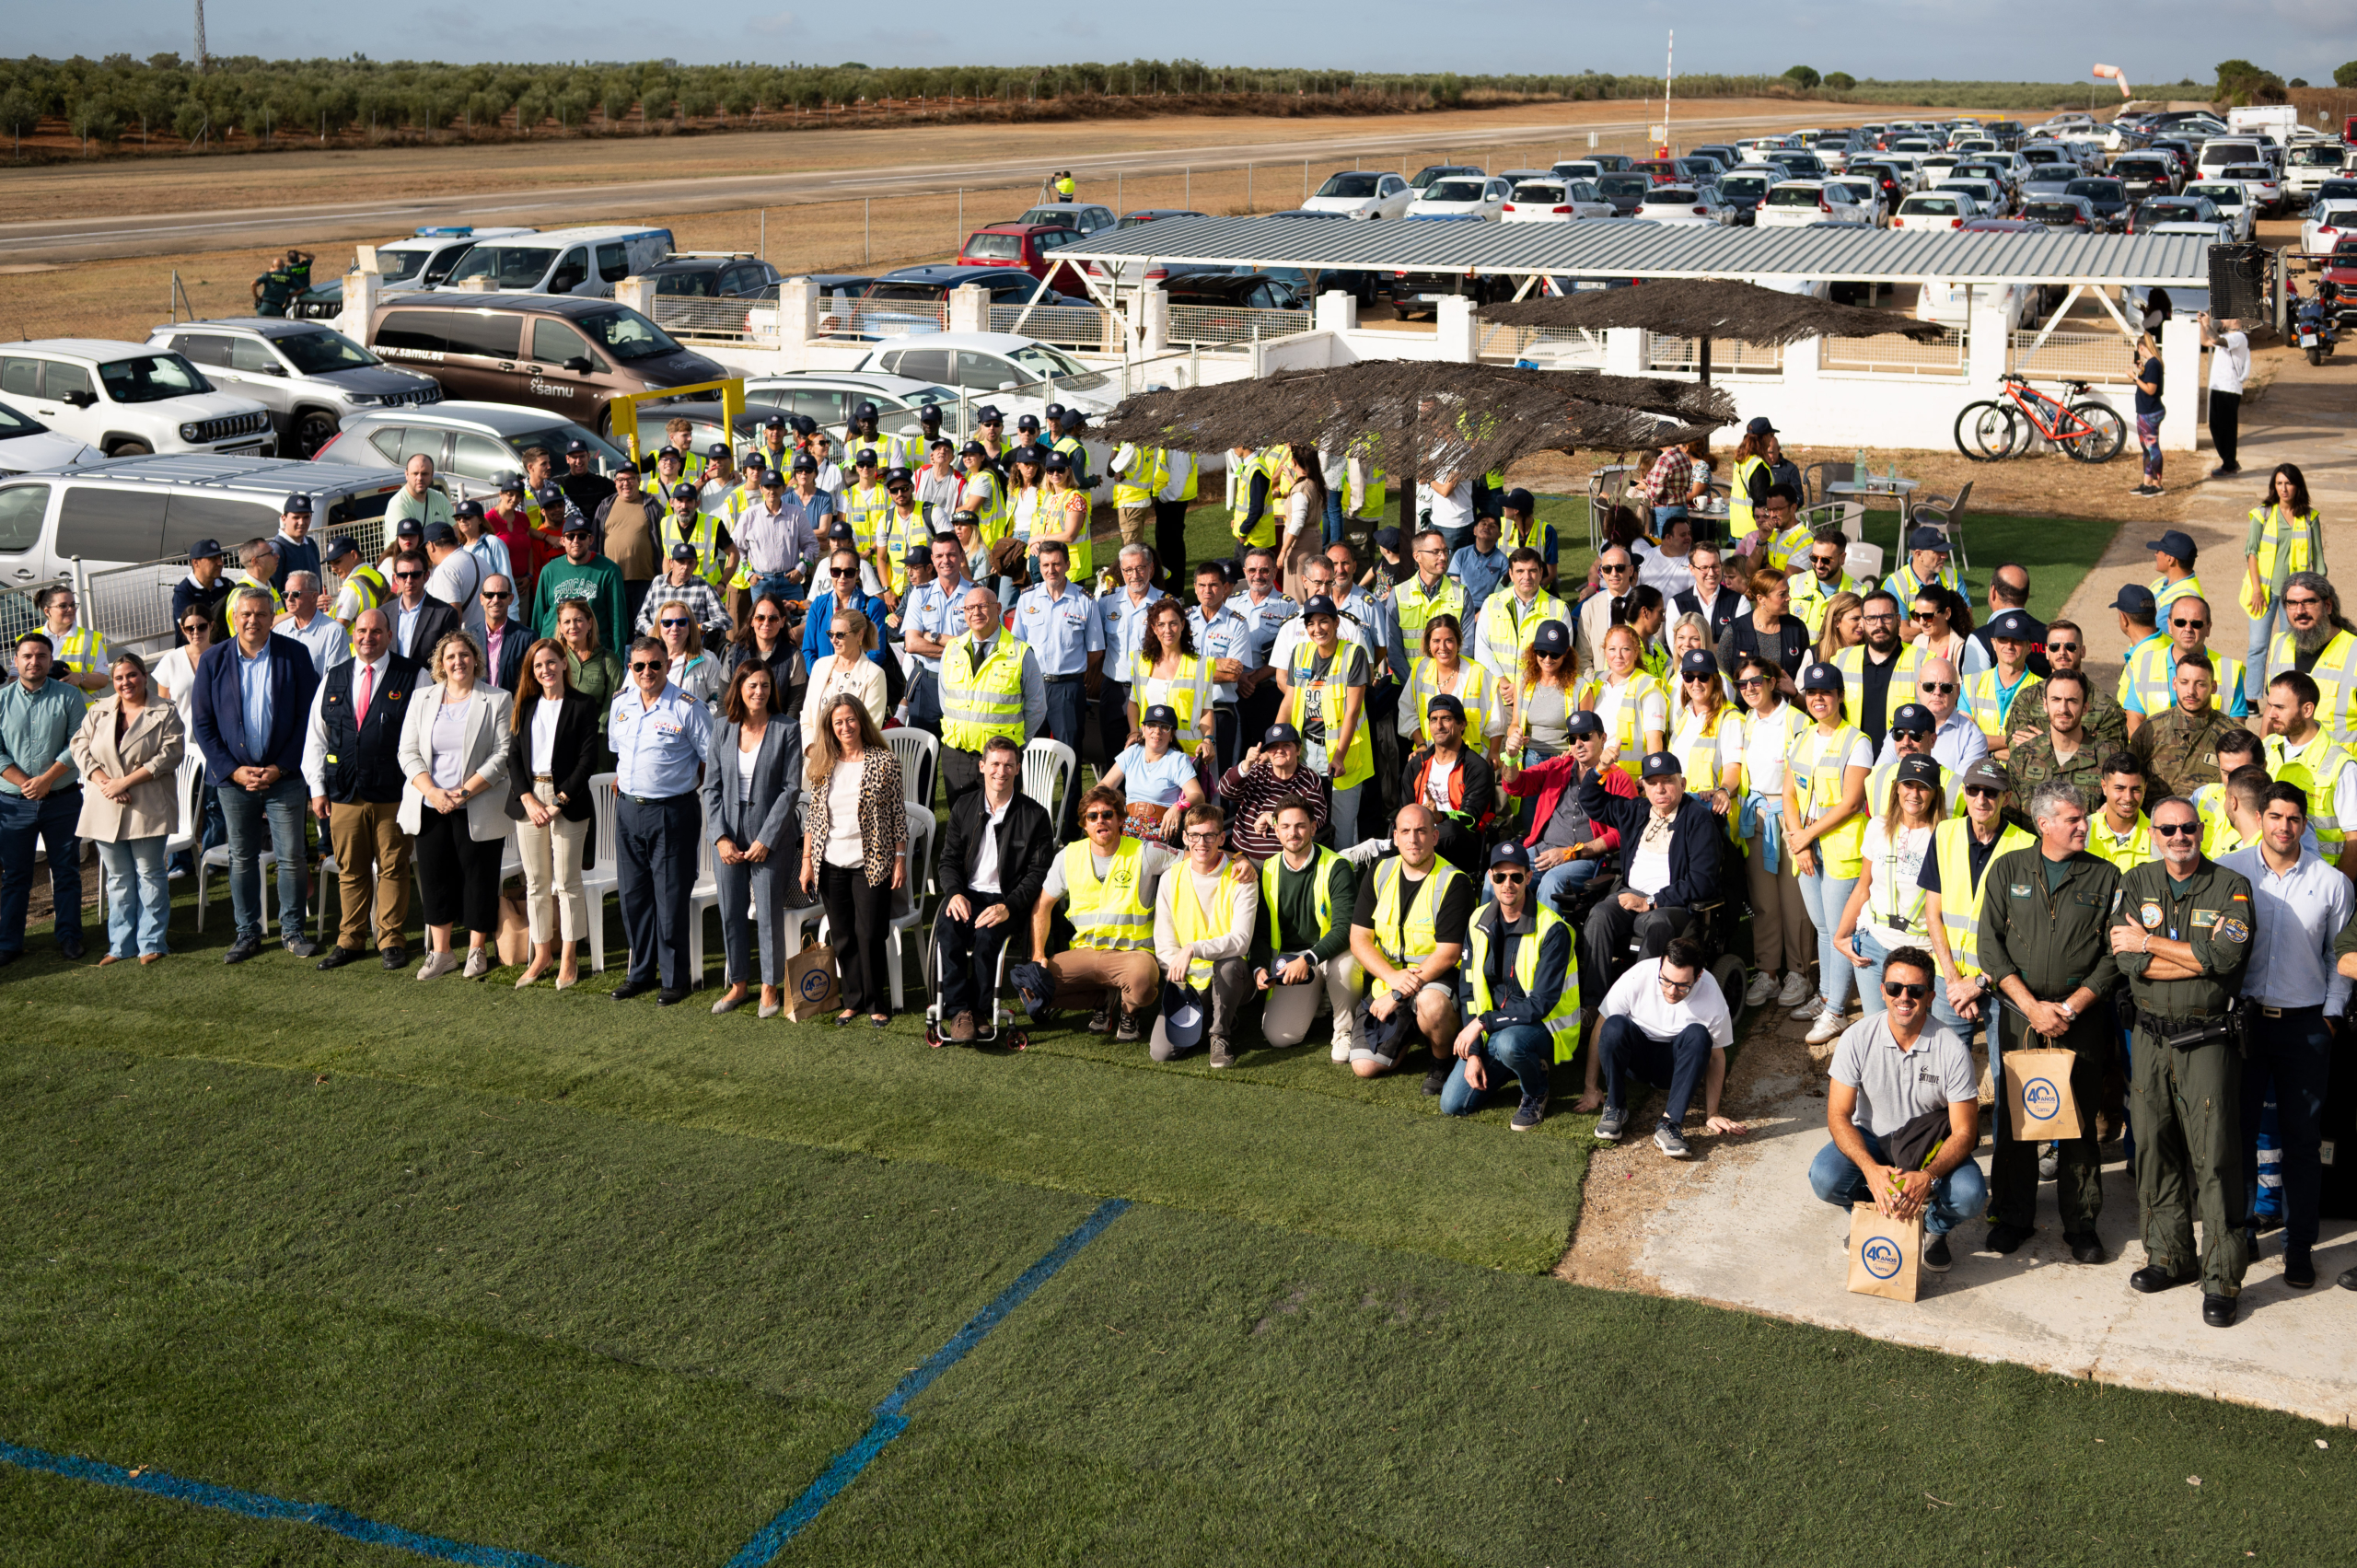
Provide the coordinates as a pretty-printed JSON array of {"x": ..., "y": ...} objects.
[{"x": 2160, "y": 41}]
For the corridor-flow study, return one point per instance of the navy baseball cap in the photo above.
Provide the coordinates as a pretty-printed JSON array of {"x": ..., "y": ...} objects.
[
  {"x": 575, "y": 523},
  {"x": 841, "y": 531},
  {"x": 1583, "y": 722},
  {"x": 1552, "y": 637},
  {"x": 754, "y": 462},
  {"x": 338, "y": 548},
  {"x": 1056, "y": 463},
  {"x": 510, "y": 483},
  {"x": 408, "y": 527},
  {"x": 1698, "y": 661},
  {"x": 2015, "y": 626},
  {"x": 1820, "y": 677},
  {"x": 929, "y": 414},
  {"x": 550, "y": 495},
  {"x": 896, "y": 475},
  {"x": 626, "y": 466},
  {"x": 866, "y": 458},
  {"x": 683, "y": 550},
  {"x": 670, "y": 452},
  {"x": 441, "y": 533},
  {"x": 918, "y": 555},
  {"x": 1664, "y": 764},
  {"x": 988, "y": 415},
  {"x": 772, "y": 479},
  {"x": 964, "y": 519},
  {"x": 1161, "y": 713},
  {"x": 1928, "y": 538},
  {"x": 578, "y": 448},
  {"x": 1320, "y": 604},
  {"x": 1918, "y": 770},
  {"x": 973, "y": 449},
  {"x": 468, "y": 509},
  {"x": 717, "y": 451},
  {"x": 1386, "y": 538},
  {"x": 865, "y": 410},
  {"x": 805, "y": 463},
  {"x": 2137, "y": 600},
  {"x": 1760, "y": 427},
  {"x": 1914, "y": 718},
  {"x": 1519, "y": 500},
  {"x": 774, "y": 422},
  {"x": 297, "y": 502},
  {"x": 1280, "y": 735},
  {"x": 683, "y": 490},
  {"x": 206, "y": 550},
  {"x": 806, "y": 425},
  {"x": 1510, "y": 852},
  {"x": 2175, "y": 541},
  {"x": 1445, "y": 703}
]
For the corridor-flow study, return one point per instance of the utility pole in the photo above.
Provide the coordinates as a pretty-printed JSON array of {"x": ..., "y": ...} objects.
[
  {"x": 1668, "y": 70},
  {"x": 200, "y": 36}
]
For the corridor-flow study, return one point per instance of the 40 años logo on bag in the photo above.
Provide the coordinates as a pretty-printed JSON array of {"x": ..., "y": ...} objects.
[
  {"x": 815, "y": 984},
  {"x": 2041, "y": 1099},
  {"x": 1881, "y": 1256}
]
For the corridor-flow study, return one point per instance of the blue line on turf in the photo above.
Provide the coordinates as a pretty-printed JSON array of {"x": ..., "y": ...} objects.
[
  {"x": 255, "y": 1505},
  {"x": 890, "y": 1422}
]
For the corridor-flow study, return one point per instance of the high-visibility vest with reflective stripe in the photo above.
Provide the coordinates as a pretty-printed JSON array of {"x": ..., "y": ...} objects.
[
  {"x": 1562, "y": 1020},
  {"x": 1417, "y": 606},
  {"x": 1147, "y": 472},
  {"x": 1108, "y": 912},
  {"x": 978, "y": 702},
  {"x": 82, "y": 650},
  {"x": 1241, "y": 471},
  {"x": 1502, "y": 619},
  {"x": 1190, "y": 921},
  {"x": 891, "y": 451},
  {"x": 1906, "y": 584},
  {"x": 995, "y": 516},
  {"x": 2146, "y": 675},
  {"x": 1897, "y": 901},
  {"x": 2316, "y": 768},
  {"x": 1410, "y": 941},
  {"x": 1321, "y": 873},
  {"x": 1184, "y": 688},
  {"x": 1077, "y": 455},
  {"x": 2335, "y": 673},
  {"x": 1622, "y": 726},
  {"x": 1990, "y": 705},
  {"x": 2166, "y": 592},
  {"x": 1423, "y": 687},
  {"x": 1696, "y": 741},
  {"x": 1811, "y": 599},
  {"x": 1960, "y": 890},
  {"x": 2219, "y": 834},
  {"x": 2121, "y": 850},
  {"x": 1186, "y": 463},
  {"x": 1372, "y": 498},
  {"x": 1740, "y": 521},
  {"x": 1794, "y": 541},
  {"x": 1815, "y": 765},
  {"x": 704, "y": 534},
  {"x": 1882, "y": 788},
  {"x": 2299, "y": 540},
  {"x": 1852, "y": 662},
  {"x": 863, "y": 509},
  {"x": 897, "y": 534},
  {"x": 779, "y": 460},
  {"x": 1358, "y": 762}
]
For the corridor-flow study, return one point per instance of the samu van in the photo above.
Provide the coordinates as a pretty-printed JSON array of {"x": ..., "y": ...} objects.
[{"x": 562, "y": 261}]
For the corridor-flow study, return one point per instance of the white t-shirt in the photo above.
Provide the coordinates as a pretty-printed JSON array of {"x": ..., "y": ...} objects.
[
  {"x": 1653, "y": 710},
  {"x": 456, "y": 583},
  {"x": 1436, "y": 777},
  {"x": 2229, "y": 363},
  {"x": 1637, "y": 997},
  {"x": 544, "y": 717},
  {"x": 1649, "y": 863},
  {"x": 1454, "y": 510},
  {"x": 1896, "y": 869},
  {"x": 1766, "y": 740},
  {"x": 843, "y": 845}
]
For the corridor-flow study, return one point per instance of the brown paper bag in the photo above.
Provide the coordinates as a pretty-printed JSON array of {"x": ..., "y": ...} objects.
[
  {"x": 515, "y": 939},
  {"x": 812, "y": 988},
  {"x": 1885, "y": 1253},
  {"x": 2038, "y": 1095}
]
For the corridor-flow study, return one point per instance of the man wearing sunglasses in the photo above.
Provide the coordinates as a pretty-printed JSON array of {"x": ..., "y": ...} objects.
[
  {"x": 1955, "y": 880},
  {"x": 419, "y": 622},
  {"x": 2045, "y": 941},
  {"x": 1107, "y": 881},
  {"x": 1615, "y": 600},
  {"x": 2321, "y": 645},
  {"x": 1991, "y": 696},
  {"x": 659, "y": 735},
  {"x": 1955, "y": 740},
  {"x": 2066, "y": 647},
  {"x": 1525, "y": 980},
  {"x": 584, "y": 576},
  {"x": 1814, "y": 590},
  {"x": 2182, "y": 936},
  {"x": 1878, "y": 674},
  {"x": 504, "y": 638},
  {"x": 1664, "y": 1023},
  {"x": 1894, "y": 1072},
  {"x": 2147, "y": 684}
]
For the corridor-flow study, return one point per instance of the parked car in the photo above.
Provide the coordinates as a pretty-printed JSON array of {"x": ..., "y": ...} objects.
[
  {"x": 2307, "y": 169},
  {"x": 1798, "y": 165},
  {"x": 2265, "y": 190},
  {"x": 2331, "y": 215},
  {"x": 2008, "y": 183},
  {"x": 831, "y": 397},
  {"x": 564, "y": 261},
  {"x": 2142, "y": 174},
  {"x": 1155, "y": 214},
  {"x": 1987, "y": 195},
  {"x": 1578, "y": 169},
  {"x": 1685, "y": 204},
  {"x": 1623, "y": 191},
  {"x": 2150, "y": 215},
  {"x": 1362, "y": 193},
  {"x": 1086, "y": 216},
  {"x": 1795, "y": 204},
  {"x": 2107, "y": 195},
  {"x": 569, "y": 356},
  {"x": 472, "y": 442},
  {"x": 1865, "y": 194},
  {"x": 307, "y": 376},
  {"x": 2232, "y": 202},
  {"x": 129, "y": 400},
  {"x": 1027, "y": 247},
  {"x": 1423, "y": 178},
  {"x": 996, "y": 362},
  {"x": 714, "y": 275},
  {"x": 1837, "y": 147},
  {"x": 1743, "y": 189},
  {"x": 1934, "y": 209},
  {"x": 1555, "y": 201},
  {"x": 27, "y": 444},
  {"x": 1468, "y": 200},
  {"x": 1892, "y": 182},
  {"x": 1729, "y": 157},
  {"x": 1424, "y": 291},
  {"x": 422, "y": 260},
  {"x": 1241, "y": 291},
  {"x": 925, "y": 291},
  {"x": 2075, "y": 214}
]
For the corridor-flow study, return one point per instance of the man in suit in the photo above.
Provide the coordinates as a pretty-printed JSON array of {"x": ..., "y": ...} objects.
[
  {"x": 252, "y": 701},
  {"x": 1712, "y": 596},
  {"x": 994, "y": 863},
  {"x": 351, "y": 760},
  {"x": 419, "y": 622},
  {"x": 1669, "y": 862},
  {"x": 504, "y": 638}
]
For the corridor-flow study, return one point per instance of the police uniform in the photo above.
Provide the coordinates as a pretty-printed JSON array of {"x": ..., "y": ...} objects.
[
  {"x": 2056, "y": 940},
  {"x": 1226, "y": 637},
  {"x": 2179, "y": 751},
  {"x": 1062, "y": 630},
  {"x": 2186, "y": 1101},
  {"x": 2033, "y": 762}
]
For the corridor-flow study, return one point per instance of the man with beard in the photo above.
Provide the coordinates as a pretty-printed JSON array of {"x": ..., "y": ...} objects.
[
  {"x": 2066, "y": 648},
  {"x": 1879, "y": 675},
  {"x": 2321, "y": 645}
]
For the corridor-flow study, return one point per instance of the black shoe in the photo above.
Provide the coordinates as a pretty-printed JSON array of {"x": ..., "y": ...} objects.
[
  {"x": 1937, "y": 1256},
  {"x": 396, "y": 957},
  {"x": 1437, "y": 1076},
  {"x": 666, "y": 997},
  {"x": 2225, "y": 471},
  {"x": 2085, "y": 1248},
  {"x": 631, "y": 988},
  {"x": 71, "y": 949},
  {"x": 1101, "y": 1021},
  {"x": 2348, "y": 1280},
  {"x": 301, "y": 947},
  {"x": 9, "y": 958},
  {"x": 2008, "y": 1237},
  {"x": 2152, "y": 1279},
  {"x": 339, "y": 956},
  {"x": 243, "y": 948},
  {"x": 2299, "y": 1268},
  {"x": 2218, "y": 1311}
]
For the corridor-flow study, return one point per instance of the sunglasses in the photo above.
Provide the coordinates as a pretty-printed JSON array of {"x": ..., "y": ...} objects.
[
  {"x": 1982, "y": 792},
  {"x": 1913, "y": 993},
  {"x": 1540, "y": 653},
  {"x": 407, "y": 576},
  {"x": 1101, "y": 816},
  {"x": 1702, "y": 679},
  {"x": 196, "y": 625},
  {"x": 840, "y": 572},
  {"x": 2189, "y": 626},
  {"x": 490, "y": 598},
  {"x": 677, "y": 621},
  {"x": 1825, "y": 561},
  {"x": 643, "y": 666},
  {"x": 2061, "y": 647},
  {"x": 833, "y": 635},
  {"x": 1920, "y": 614},
  {"x": 1937, "y": 688},
  {"x": 1612, "y": 571},
  {"x": 1507, "y": 878},
  {"x": 2176, "y": 830}
]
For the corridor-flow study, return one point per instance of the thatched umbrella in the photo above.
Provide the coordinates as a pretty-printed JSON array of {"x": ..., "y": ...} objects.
[{"x": 1706, "y": 308}]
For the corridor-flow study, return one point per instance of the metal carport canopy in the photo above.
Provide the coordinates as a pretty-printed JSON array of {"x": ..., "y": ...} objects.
[{"x": 1638, "y": 248}]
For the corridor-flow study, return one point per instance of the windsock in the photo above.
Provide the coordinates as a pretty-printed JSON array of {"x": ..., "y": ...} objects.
[{"x": 2113, "y": 73}]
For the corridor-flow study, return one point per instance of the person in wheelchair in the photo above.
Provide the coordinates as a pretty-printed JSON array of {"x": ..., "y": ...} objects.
[
  {"x": 1671, "y": 844},
  {"x": 1568, "y": 848},
  {"x": 993, "y": 862}
]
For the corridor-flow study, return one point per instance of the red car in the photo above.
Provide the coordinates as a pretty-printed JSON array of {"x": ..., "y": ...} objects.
[
  {"x": 2341, "y": 267},
  {"x": 1030, "y": 246}
]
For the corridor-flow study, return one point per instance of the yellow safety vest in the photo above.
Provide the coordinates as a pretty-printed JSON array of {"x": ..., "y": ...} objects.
[
  {"x": 1794, "y": 540},
  {"x": 1183, "y": 686},
  {"x": 1358, "y": 760},
  {"x": 1241, "y": 471},
  {"x": 1696, "y": 744},
  {"x": 1896, "y": 900},
  {"x": 1109, "y": 912},
  {"x": 2335, "y": 673},
  {"x": 2145, "y": 676},
  {"x": 865, "y": 507},
  {"x": 2219, "y": 835},
  {"x": 995, "y": 516},
  {"x": 1502, "y": 619},
  {"x": 1373, "y": 498},
  {"x": 1906, "y": 584},
  {"x": 1075, "y": 454},
  {"x": 1740, "y": 521},
  {"x": 1817, "y": 782},
  {"x": 777, "y": 460},
  {"x": 1190, "y": 922},
  {"x": 2166, "y": 592},
  {"x": 82, "y": 650},
  {"x": 1989, "y": 704},
  {"x": 898, "y": 533},
  {"x": 2316, "y": 768},
  {"x": 978, "y": 702},
  {"x": 1960, "y": 890},
  {"x": 1622, "y": 726},
  {"x": 1410, "y": 941},
  {"x": 1562, "y": 1020},
  {"x": 704, "y": 534},
  {"x": 2123, "y": 850},
  {"x": 1881, "y": 789},
  {"x": 1475, "y": 698},
  {"x": 1321, "y": 871},
  {"x": 1811, "y": 599},
  {"x": 1143, "y": 477},
  {"x": 1187, "y": 486},
  {"x": 2300, "y": 541},
  {"x": 1416, "y": 605},
  {"x": 1852, "y": 662}
]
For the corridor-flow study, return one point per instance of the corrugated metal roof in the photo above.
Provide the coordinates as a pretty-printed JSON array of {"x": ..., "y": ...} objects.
[{"x": 1635, "y": 247}]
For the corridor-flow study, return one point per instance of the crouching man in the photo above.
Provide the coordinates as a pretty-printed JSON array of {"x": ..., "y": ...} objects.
[
  {"x": 1904, "y": 1109},
  {"x": 1664, "y": 1023},
  {"x": 1202, "y": 932},
  {"x": 1300, "y": 948},
  {"x": 1526, "y": 997},
  {"x": 1106, "y": 881},
  {"x": 1408, "y": 933}
]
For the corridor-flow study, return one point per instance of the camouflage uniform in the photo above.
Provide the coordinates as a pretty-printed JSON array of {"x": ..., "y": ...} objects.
[
  {"x": 2034, "y": 762},
  {"x": 2180, "y": 751},
  {"x": 2104, "y": 722}
]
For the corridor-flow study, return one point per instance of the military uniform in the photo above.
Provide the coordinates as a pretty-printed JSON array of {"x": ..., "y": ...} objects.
[
  {"x": 2179, "y": 751},
  {"x": 2105, "y": 721},
  {"x": 2034, "y": 762},
  {"x": 2186, "y": 1107},
  {"x": 2056, "y": 939}
]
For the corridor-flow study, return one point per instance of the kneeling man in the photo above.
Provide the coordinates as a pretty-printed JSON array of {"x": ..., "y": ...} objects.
[{"x": 1525, "y": 995}]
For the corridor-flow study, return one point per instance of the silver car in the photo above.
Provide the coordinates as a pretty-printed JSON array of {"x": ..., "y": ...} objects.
[
  {"x": 473, "y": 445},
  {"x": 307, "y": 374}
]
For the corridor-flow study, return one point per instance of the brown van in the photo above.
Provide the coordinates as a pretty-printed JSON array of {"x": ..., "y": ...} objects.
[{"x": 567, "y": 355}]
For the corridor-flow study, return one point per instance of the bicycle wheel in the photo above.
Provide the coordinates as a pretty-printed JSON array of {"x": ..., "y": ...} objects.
[
  {"x": 2101, "y": 441},
  {"x": 1985, "y": 431}
]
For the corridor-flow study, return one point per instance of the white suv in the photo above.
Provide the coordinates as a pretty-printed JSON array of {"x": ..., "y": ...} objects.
[{"x": 129, "y": 400}]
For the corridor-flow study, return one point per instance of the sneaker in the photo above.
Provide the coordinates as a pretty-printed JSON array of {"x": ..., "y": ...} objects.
[
  {"x": 1101, "y": 1021},
  {"x": 2147, "y": 490},
  {"x": 1811, "y": 1005},
  {"x": 1795, "y": 991},
  {"x": 1437, "y": 1076},
  {"x": 2050, "y": 1163},
  {"x": 1671, "y": 1142},
  {"x": 1609, "y": 1126},
  {"x": 244, "y": 947},
  {"x": 1130, "y": 1030},
  {"x": 301, "y": 947},
  {"x": 477, "y": 963},
  {"x": 1223, "y": 1052},
  {"x": 1828, "y": 1026},
  {"x": 1937, "y": 1257},
  {"x": 1529, "y": 1113},
  {"x": 1342, "y": 1049},
  {"x": 436, "y": 965},
  {"x": 1763, "y": 986}
]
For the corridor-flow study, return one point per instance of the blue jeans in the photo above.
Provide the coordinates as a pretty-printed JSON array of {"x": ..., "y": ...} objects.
[
  {"x": 1962, "y": 1195},
  {"x": 1334, "y": 517},
  {"x": 2262, "y": 633},
  {"x": 1625, "y": 1051},
  {"x": 1663, "y": 516},
  {"x": 2293, "y": 1057},
  {"x": 1825, "y": 896},
  {"x": 139, "y": 899},
  {"x": 1527, "y": 1050},
  {"x": 48, "y": 821},
  {"x": 280, "y": 809}
]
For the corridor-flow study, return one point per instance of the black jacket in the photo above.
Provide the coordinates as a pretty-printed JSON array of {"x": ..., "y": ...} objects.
[
  {"x": 1695, "y": 838},
  {"x": 435, "y": 620},
  {"x": 572, "y": 759},
  {"x": 186, "y": 593},
  {"x": 1480, "y": 792},
  {"x": 1027, "y": 849},
  {"x": 1720, "y": 613},
  {"x": 512, "y": 648},
  {"x": 364, "y": 761}
]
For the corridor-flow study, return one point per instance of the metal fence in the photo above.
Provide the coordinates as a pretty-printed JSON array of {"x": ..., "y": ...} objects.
[
  {"x": 1089, "y": 327},
  {"x": 1542, "y": 348},
  {"x": 690, "y": 316},
  {"x": 1891, "y": 354},
  {"x": 867, "y": 319},
  {"x": 1223, "y": 326},
  {"x": 1664, "y": 351},
  {"x": 133, "y": 605},
  {"x": 2075, "y": 356}
]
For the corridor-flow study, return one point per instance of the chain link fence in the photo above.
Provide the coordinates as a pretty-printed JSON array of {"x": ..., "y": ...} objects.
[{"x": 1219, "y": 327}]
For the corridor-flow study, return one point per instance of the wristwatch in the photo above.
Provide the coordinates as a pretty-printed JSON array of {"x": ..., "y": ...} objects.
[{"x": 2066, "y": 1011}]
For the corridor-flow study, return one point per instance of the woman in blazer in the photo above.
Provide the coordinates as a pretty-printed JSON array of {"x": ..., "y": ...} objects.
[
  {"x": 552, "y": 748},
  {"x": 748, "y": 795},
  {"x": 454, "y": 754},
  {"x": 128, "y": 750},
  {"x": 846, "y": 671},
  {"x": 857, "y": 852}
]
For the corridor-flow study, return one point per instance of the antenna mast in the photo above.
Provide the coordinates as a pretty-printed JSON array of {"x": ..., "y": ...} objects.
[{"x": 200, "y": 36}]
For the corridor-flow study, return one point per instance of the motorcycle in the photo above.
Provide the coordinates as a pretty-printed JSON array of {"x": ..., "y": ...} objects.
[{"x": 2313, "y": 323}]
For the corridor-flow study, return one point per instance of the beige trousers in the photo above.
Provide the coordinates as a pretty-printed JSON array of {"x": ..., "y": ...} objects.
[
  {"x": 1292, "y": 1009},
  {"x": 552, "y": 857}
]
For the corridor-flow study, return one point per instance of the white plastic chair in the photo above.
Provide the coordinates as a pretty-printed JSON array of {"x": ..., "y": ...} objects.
[
  {"x": 1048, "y": 769},
  {"x": 920, "y": 882},
  {"x": 1864, "y": 562},
  {"x": 920, "y": 756},
  {"x": 602, "y": 878},
  {"x": 705, "y": 895}
]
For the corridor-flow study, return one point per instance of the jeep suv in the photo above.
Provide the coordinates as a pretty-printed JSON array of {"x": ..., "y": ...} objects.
[
  {"x": 308, "y": 376},
  {"x": 129, "y": 400}
]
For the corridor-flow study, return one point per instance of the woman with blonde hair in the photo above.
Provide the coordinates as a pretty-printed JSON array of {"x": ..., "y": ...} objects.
[
  {"x": 1711, "y": 769},
  {"x": 1782, "y": 938},
  {"x": 693, "y": 670},
  {"x": 128, "y": 750},
  {"x": 1544, "y": 698},
  {"x": 453, "y": 752},
  {"x": 1444, "y": 671},
  {"x": 552, "y": 748},
  {"x": 1170, "y": 673},
  {"x": 855, "y": 856},
  {"x": 1629, "y": 700},
  {"x": 1061, "y": 514},
  {"x": 1690, "y": 632},
  {"x": 848, "y": 671},
  {"x": 1845, "y": 626}
]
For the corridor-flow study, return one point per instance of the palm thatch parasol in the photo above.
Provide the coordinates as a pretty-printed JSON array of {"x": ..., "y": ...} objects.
[
  {"x": 1441, "y": 417},
  {"x": 1706, "y": 308}
]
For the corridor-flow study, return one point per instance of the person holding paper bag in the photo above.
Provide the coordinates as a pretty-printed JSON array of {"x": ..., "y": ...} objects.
[{"x": 2045, "y": 942}]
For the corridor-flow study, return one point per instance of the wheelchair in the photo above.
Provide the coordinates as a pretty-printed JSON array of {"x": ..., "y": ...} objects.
[
  {"x": 1719, "y": 922},
  {"x": 993, "y": 1023}
]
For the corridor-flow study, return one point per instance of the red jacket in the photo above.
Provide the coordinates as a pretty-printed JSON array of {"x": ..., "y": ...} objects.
[{"x": 1550, "y": 779}]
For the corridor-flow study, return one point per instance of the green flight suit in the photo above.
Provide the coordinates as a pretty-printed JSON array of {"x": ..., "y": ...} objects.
[
  {"x": 2057, "y": 939},
  {"x": 2186, "y": 1103},
  {"x": 2104, "y": 720},
  {"x": 2179, "y": 752}
]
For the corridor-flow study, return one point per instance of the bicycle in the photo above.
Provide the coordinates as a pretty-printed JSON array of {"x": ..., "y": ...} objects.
[{"x": 2091, "y": 432}]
